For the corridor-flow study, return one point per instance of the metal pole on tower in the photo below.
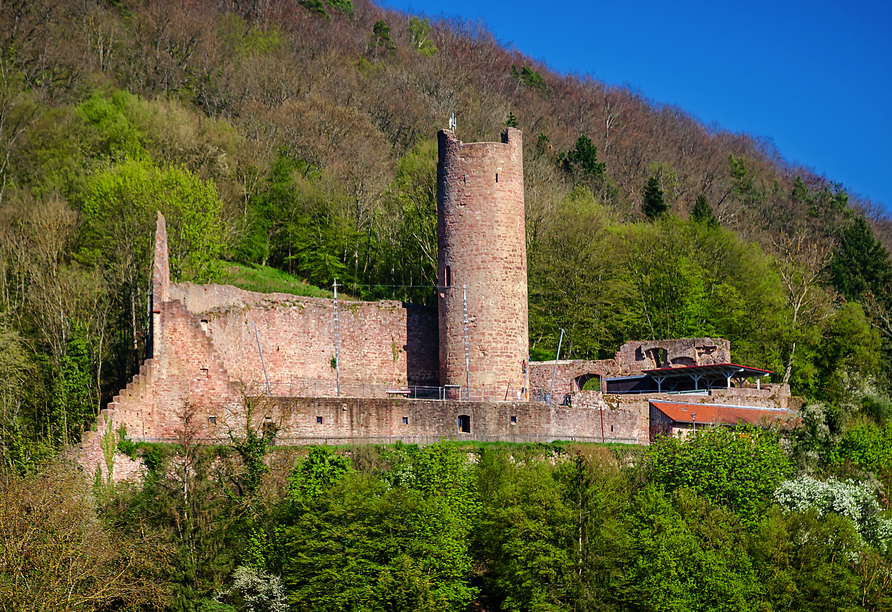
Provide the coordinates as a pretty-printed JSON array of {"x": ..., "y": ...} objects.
[
  {"x": 464, "y": 289},
  {"x": 337, "y": 339}
]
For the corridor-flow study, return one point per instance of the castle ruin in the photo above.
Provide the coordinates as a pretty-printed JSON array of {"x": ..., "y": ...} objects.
[{"x": 315, "y": 370}]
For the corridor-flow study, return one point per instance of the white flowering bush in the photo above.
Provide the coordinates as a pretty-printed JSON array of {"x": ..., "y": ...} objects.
[
  {"x": 849, "y": 498},
  {"x": 255, "y": 591}
]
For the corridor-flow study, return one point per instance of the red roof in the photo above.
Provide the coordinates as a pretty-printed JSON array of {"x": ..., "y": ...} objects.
[{"x": 721, "y": 415}]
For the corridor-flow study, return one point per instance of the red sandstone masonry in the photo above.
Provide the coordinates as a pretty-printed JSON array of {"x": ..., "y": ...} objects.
[
  {"x": 381, "y": 343},
  {"x": 482, "y": 245}
]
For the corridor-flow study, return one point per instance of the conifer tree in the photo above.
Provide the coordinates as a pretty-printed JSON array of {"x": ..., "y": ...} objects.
[
  {"x": 654, "y": 206},
  {"x": 702, "y": 212}
]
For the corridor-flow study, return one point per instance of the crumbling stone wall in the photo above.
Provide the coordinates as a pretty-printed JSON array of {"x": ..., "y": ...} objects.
[
  {"x": 482, "y": 247},
  {"x": 631, "y": 359},
  {"x": 638, "y": 356}
]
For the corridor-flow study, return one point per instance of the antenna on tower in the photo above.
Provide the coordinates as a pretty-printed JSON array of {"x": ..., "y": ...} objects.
[{"x": 452, "y": 123}]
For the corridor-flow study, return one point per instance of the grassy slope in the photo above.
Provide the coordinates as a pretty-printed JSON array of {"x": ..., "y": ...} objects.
[{"x": 264, "y": 279}]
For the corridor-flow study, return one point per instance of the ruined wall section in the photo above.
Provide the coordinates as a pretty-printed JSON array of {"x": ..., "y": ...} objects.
[
  {"x": 637, "y": 356},
  {"x": 384, "y": 344},
  {"x": 632, "y": 359},
  {"x": 482, "y": 245}
]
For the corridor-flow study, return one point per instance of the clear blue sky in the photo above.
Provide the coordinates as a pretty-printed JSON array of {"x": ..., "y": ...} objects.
[{"x": 815, "y": 77}]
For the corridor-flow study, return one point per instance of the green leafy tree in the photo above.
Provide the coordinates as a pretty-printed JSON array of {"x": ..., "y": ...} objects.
[
  {"x": 419, "y": 35},
  {"x": 737, "y": 467},
  {"x": 687, "y": 554},
  {"x": 315, "y": 474},
  {"x": 806, "y": 561},
  {"x": 525, "y": 534},
  {"x": 511, "y": 120},
  {"x": 124, "y": 200}
]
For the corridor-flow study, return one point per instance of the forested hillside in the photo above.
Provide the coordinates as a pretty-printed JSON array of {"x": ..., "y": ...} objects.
[{"x": 284, "y": 137}]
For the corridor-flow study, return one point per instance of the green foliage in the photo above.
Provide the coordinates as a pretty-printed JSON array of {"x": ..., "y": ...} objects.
[
  {"x": 510, "y": 120},
  {"x": 315, "y": 474},
  {"x": 582, "y": 162},
  {"x": 868, "y": 447},
  {"x": 529, "y": 77},
  {"x": 691, "y": 281},
  {"x": 702, "y": 212},
  {"x": 125, "y": 198},
  {"x": 252, "y": 450},
  {"x": 737, "y": 467},
  {"x": 381, "y": 32},
  {"x": 260, "y": 42},
  {"x": 653, "y": 207},
  {"x": 525, "y": 532},
  {"x": 687, "y": 554},
  {"x": 316, "y": 7},
  {"x": 805, "y": 561},
  {"x": 860, "y": 267},
  {"x": 574, "y": 283},
  {"x": 74, "y": 405},
  {"x": 354, "y": 528},
  {"x": 125, "y": 445},
  {"x": 419, "y": 36},
  {"x": 114, "y": 135},
  {"x": 404, "y": 587}
]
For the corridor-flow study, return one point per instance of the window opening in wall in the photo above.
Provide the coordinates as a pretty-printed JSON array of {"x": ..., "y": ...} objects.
[
  {"x": 269, "y": 428},
  {"x": 514, "y": 420},
  {"x": 212, "y": 420},
  {"x": 448, "y": 276},
  {"x": 319, "y": 420},
  {"x": 204, "y": 373},
  {"x": 464, "y": 423},
  {"x": 497, "y": 177},
  {"x": 405, "y": 420},
  {"x": 611, "y": 429}
]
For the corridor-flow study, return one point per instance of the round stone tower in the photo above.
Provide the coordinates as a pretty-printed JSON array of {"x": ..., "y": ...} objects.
[{"x": 482, "y": 266}]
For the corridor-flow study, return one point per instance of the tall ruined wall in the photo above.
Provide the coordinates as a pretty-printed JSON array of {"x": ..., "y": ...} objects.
[
  {"x": 482, "y": 247},
  {"x": 381, "y": 343}
]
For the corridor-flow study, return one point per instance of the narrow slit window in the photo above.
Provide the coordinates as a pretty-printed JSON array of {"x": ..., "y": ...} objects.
[
  {"x": 448, "y": 276},
  {"x": 497, "y": 177}
]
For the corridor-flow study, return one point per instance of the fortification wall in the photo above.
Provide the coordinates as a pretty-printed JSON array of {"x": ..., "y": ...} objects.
[
  {"x": 482, "y": 246},
  {"x": 382, "y": 343},
  {"x": 345, "y": 420}
]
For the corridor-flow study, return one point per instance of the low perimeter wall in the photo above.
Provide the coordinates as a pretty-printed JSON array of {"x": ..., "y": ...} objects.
[{"x": 381, "y": 421}]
